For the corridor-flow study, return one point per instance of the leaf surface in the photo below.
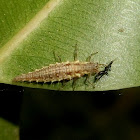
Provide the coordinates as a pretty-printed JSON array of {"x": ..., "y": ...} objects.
[
  {"x": 31, "y": 31},
  {"x": 8, "y": 131}
]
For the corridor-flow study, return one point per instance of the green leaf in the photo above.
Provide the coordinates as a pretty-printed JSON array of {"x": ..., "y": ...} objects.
[
  {"x": 8, "y": 131},
  {"x": 30, "y": 31}
]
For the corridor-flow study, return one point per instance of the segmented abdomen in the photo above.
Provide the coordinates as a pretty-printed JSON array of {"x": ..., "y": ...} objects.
[{"x": 59, "y": 71}]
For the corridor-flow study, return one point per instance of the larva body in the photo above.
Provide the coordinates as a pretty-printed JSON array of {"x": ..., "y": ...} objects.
[{"x": 59, "y": 72}]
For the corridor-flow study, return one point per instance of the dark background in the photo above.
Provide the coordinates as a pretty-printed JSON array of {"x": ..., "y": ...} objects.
[{"x": 55, "y": 115}]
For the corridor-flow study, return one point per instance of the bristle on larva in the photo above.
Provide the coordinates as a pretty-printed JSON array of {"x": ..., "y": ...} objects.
[{"x": 59, "y": 72}]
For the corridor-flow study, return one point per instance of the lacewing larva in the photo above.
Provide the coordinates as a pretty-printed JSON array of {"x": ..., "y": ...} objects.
[{"x": 61, "y": 71}]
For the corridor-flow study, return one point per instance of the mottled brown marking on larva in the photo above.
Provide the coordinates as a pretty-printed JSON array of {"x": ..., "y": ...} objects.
[{"x": 59, "y": 72}]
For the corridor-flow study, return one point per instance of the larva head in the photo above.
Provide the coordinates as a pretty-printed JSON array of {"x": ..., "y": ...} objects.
[{"x": 100, "y": 74}]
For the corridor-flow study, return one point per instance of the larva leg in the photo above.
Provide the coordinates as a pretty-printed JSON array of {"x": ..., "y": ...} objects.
[
  {"x": 63, "y": 84},
  {"x": 75, "y": 53},
  {"x": 74, "y": 83},
  {"x": 87, "y": 81},
  {"x": 57, "y": 57},
  {"x": 89, "y": 57}
]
